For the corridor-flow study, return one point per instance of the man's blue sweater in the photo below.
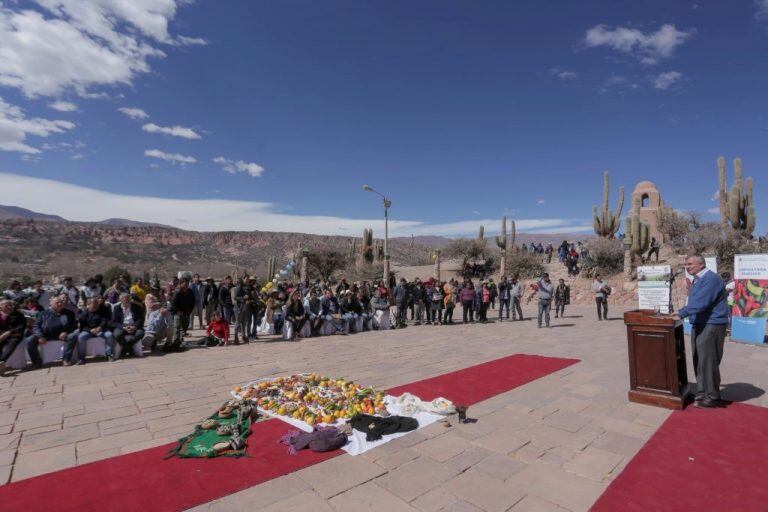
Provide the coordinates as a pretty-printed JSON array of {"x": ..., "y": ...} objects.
[{"x": 707, "y": 301}]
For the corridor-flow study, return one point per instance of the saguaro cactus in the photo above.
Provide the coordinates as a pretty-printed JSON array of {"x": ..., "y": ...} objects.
[
  {"x": 637, "y": 239},
  {"x": 503, "y": 242},
  {"x": 352, "y": 248},
  {"x": 378, "y": 250},
  {"x": 271, "y": 268},
  {"x": 607, "y": 223},
  {"x": 366, "y": 248},
  {"x": 436, "y": 256},
  {"x": 737, "y": 206}
]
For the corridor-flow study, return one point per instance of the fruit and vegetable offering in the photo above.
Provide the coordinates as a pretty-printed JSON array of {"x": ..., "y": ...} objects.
[{"x": 314, "y": 398}]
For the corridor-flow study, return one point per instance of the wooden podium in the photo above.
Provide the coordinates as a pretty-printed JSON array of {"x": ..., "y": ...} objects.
[{"x": 657, "y": 369}]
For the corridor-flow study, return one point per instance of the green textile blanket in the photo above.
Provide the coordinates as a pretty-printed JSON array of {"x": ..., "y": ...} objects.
[{"x": 200, "y": 443}]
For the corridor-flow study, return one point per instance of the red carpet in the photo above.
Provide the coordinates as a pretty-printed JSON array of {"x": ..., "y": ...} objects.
[
  {"x": 146, "y": 482},
  {"x": 700, "y": 459},
  {"x": 478, "y": 383}
]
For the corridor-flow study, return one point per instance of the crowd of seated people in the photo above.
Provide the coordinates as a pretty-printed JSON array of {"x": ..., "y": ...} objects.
[{"x": 133, "y": 318}]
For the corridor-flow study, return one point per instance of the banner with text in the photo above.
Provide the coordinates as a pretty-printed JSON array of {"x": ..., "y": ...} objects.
[
  {"x": 750, "y": 298},
  {"x": 653, "y": 287}
]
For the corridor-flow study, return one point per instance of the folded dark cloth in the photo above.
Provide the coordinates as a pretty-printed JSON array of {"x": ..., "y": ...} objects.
[
  {"x": 375, "y": 426},
  {"x": 322, "y": 439}
]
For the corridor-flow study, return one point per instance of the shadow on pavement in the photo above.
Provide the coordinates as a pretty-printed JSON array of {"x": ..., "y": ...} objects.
[{"x": 740, "y": 391}]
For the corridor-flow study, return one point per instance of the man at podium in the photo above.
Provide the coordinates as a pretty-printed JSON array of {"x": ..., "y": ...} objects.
[{"x": 707, "y": 310}]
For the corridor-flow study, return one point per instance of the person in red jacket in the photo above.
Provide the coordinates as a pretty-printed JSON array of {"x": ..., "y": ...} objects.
[{"x": 217, "y": 332}]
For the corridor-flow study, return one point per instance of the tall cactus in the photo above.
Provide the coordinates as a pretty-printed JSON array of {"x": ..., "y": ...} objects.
[
  {"x": 352, "y": 248},
  {"x": 271, "y": 268},
  {"x": 737, "y": 207},
  {"x": 366, "y": 247},
  {"x": 607, "y": 223},
  {"x": 481, "y": 235},
  {"x": 502, "y": 242},
  {"x": 637, "y": 239},
  {"x": 378, "y": 250},
  {"x": 437, "y": 264}
]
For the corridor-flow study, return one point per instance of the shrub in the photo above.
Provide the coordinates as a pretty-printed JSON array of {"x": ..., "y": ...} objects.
[
  {"x": 324, "y": 262},
  {"x": 605, "y": 257},
  {"x": 113, "y": 273},
  {"x": 525, "y": 265},
  {"x": 463, "y": 248}
]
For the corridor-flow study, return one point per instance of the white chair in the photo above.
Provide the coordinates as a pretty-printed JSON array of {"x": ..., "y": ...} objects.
[
  {"x": 18, "y": 359},
  {"x": 51, "y": 351},
  {"x": 381, "y": 320},
  {"x": 306, "y": 331},
  {"x": 96, "y": 346}
]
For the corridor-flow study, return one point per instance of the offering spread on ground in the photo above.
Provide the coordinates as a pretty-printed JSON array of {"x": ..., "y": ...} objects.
[{"x": 313, "y": 399}]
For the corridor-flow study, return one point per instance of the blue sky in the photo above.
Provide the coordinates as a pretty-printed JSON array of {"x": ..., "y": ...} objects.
[{"x": 271, "y": 115}]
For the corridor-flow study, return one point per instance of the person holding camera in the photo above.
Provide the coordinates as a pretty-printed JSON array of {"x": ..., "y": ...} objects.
[{"x": 602, "y": 291}]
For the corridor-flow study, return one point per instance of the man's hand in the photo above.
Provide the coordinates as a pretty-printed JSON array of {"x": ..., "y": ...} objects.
[
  {"x": 41, "y": 341},
  {"x": 63, "y": 336},
  {"x": 5, "y": 335},
  {"x": 675, "y": 317},
  {"x": 96, "y": 331}
]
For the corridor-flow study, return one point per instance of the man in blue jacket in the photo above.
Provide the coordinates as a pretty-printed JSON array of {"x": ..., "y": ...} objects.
[
  {"x": 55, "y": 323},
  {"x": 707, "y": 310}
]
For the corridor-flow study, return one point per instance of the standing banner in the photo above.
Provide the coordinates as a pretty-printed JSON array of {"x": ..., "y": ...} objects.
[
  {"x": 653, "y": 287},
  {"x": 750, "y": 298}
]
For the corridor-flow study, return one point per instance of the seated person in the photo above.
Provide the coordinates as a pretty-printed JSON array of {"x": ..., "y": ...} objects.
[
  {"x": 55, "y": 323},
  {"x": 380, "y": 307},
  {"x": 94, "y": 321},
  {"x": 333, "y": 313},
  {"x": 12, "y": 325},
  {"x": 217, "y": 331},
  {"x": 365, "y": 310},
  {"x": 313, "y": 309},
  {"x": 351, "y": 308},
  {"x": 15, "y": 293},
  {"x": 31, "y": 307},
  {"x": 128, "y": 326},
  {"x": 295, "y": 314},
  {"x": 159, "y": 324}
]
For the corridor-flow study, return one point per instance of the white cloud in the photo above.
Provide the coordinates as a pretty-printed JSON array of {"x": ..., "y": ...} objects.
[
  {"x": 761, "y": 12},
  {"x": 540, "y": 201},
  {"x": 133, "y": 113},
  {"x": 233, "y": 215},
  {"x": 63, "y": 106},
  {"x": 190, "y": 41},
  {"x": 176, "y": 131},
  {"x": 713, "y": 210},
  {"x": 649, "y": 48},
  {"x": 563, "y": 74},
  {"x": 666, "y": 80},
  {"x": 80, "y": 44},
  {"x": 77, "y": 156},
  {"x": 15, "y": 127},
  {"x": 170, "y": 157},
  {"x": 233, "y": 167}
]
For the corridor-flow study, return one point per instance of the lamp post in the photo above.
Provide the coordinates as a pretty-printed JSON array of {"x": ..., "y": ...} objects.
[{"x": 387, "y": 204}]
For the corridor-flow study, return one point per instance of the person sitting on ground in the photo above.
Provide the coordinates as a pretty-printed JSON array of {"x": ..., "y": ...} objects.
[
  {"x": 314, "y": 311},
  {"x": 12, "y": 325},
  {"x": 94, "y": 322},
  {"x": 216, "y": 332},
  {"x": 15, "y": 293},
  {"x": 128, "y": 326},
  {"x": 159, "y": 324},
  {"x": 182, "y": 305},
  {"x": 55, "y": 323},
  {"x": 295, "y": 316}
]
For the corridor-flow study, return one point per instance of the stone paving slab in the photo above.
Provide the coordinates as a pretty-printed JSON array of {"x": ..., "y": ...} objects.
[{"x": 551, "y": 445}]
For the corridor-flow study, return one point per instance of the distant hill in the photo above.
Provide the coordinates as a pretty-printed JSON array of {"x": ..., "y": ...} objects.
[
  {"x": 15, "y": 212},
  {"x": 130, "y": 223}
]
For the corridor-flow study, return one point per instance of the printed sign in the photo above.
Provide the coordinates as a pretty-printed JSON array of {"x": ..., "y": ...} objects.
[
  {"x": 750, "y": 298},
  {"x": 653, "y": 287}
]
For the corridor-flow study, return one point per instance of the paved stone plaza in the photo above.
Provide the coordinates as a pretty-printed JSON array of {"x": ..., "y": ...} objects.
[{"x": 553, "y": 444}]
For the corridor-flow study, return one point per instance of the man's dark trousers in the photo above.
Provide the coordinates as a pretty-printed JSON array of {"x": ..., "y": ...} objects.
[{"x": 707, "y": 342}]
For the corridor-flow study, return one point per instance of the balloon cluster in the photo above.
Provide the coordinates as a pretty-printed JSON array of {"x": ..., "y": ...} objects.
[{"x": 283, "y": 273}]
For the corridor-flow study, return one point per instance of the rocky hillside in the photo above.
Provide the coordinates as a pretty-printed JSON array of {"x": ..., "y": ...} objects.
[{"x": 31, "y": 247}]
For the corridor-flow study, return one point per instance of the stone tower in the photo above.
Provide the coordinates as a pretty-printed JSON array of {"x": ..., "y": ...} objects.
[{"x": 648, "y": 198}]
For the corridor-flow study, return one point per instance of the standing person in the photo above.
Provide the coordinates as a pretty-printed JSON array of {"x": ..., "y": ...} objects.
[
  {"x": 562, "y": 298},
  {"x": 494, "y": 293},
  {"x": 707, "y": 309},
  {"x": 239, "y": 298},
  {"x": 210, "y": 297},
  {"x": 504, "y": 298},
  {"x": 197, "y": 289},
  {"x": 485, "y": 301},
  {"x": 12, "y": 325},
  {"x": 182, "y": 304},
  {"x": 71, "y": 290},
  {"x": 602, "y": 291},
  {"x": 467, "y": 298},
  {"x": 55, "y": 323},
  {"x": 516, "y": 290},
  {"x": 139, "y": 290},
  {"x": 418, "y": 295},
  {"x": 437, "y": 303},
  {"x": 654, "y": 249},
  {"x": 449, "y": 299},
  {"x": 544, "y": 294},
  {"x": 549, "y": 251},
  {"x": 225, "y": 300},
  {"x": 401, "y": 301}
]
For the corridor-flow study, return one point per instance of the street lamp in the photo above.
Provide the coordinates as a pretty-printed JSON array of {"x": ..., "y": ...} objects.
[{"x": 387, "y": 204}]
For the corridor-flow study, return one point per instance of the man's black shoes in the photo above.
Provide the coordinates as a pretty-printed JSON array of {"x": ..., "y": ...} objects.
[{"x": 711, "y": 403}]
